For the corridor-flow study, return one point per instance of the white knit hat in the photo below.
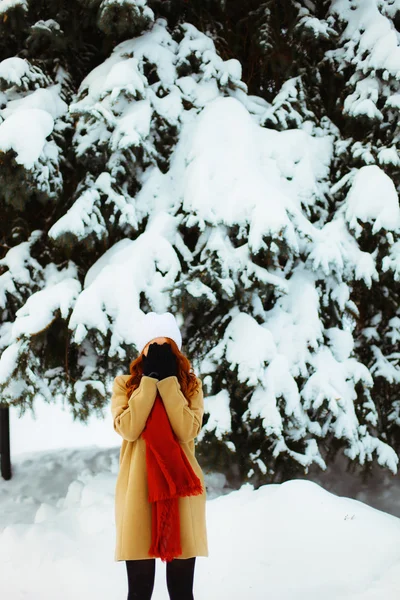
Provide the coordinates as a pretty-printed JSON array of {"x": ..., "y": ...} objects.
[{"x": 153, "y": 325}]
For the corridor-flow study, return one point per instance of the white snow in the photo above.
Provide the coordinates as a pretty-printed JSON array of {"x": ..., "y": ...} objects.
[
  {"x": 9, "y": 360},
  {"x": 29, "y": 116},
  {"x": 372, "y": 197},
  {"x": 13, "y": 69},
  {"x": 369, "y": 43},
  {"x": 290, "y": 541},
  {"x": 392, "y": 261},
  {"x": 17, "y": 265},
  {"x": 25, "y": 131},
  {"x": 42, "y": 306},
  {"x": 6, "y": 5},
  {"x": 219, "y": 421},
  {"x": 82, "y": 214},
  {"x": 47, "y": 99},
  {"x": 133, "y": 127},
  {"x": 147, "y": 263}
]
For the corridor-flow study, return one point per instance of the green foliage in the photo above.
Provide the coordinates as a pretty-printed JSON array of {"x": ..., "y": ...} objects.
[{"x": 113, "y": 87}]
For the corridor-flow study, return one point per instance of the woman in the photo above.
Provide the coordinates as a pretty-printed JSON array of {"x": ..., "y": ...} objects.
[{"x": 160, "y": 373}]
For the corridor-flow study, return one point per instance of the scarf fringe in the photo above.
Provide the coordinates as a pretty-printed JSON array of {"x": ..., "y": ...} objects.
[
  {"x": 192, "y": 490},
  {"x": 162, "y": 513}
]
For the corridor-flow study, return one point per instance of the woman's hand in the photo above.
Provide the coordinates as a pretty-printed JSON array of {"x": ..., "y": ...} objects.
[
  {"x": 160, "y": 360},
  {"x": 150, "y": 362}
]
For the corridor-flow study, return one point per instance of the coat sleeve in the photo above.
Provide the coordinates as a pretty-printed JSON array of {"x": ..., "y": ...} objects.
[
  {"x": 186, "y": 421},
  {"x": 130, "y": 415}
]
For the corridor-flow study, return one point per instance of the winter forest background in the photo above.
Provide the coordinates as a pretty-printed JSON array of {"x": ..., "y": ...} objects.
[{"x": 235, "y": 163}]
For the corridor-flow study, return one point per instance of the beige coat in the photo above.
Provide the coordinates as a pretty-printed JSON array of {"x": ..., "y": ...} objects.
[{"x": 132, "y": 508}]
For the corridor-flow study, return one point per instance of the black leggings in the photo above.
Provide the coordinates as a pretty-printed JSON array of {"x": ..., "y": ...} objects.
[{"x": 141, "y": 573}]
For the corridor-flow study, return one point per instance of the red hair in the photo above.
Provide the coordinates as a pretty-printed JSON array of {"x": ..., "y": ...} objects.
[{"x": 186, "y": 376}]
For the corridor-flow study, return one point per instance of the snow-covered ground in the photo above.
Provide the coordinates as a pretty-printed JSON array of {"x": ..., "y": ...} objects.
[
  {"x": 289, "y": 541},
  {"x": 285, "y": 541}
]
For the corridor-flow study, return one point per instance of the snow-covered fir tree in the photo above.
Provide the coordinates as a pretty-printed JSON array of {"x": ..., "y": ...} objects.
[{"x": 140, "y": 172}]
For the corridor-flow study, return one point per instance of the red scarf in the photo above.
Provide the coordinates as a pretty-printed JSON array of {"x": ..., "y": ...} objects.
[{"x": 169, "y": 475}]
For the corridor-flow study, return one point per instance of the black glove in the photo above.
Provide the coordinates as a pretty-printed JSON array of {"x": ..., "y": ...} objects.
[
  {"x": 160, "y": 361},
  {"x": 149, "y": 362},
  {"x": 168, "y": 364}
]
